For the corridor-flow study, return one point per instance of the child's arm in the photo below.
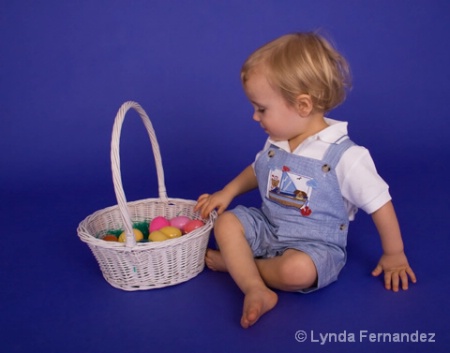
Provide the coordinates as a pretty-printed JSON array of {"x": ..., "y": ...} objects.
[
  {"x": 393, "y": 262},
  {"x": 220, "y": 200}
]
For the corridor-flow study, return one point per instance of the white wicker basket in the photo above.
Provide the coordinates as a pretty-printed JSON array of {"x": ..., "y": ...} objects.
[{"x": 139, "y": 266}]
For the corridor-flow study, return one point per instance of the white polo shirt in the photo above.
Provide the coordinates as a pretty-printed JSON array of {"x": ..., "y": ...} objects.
[{"x": 360, "y": 184}]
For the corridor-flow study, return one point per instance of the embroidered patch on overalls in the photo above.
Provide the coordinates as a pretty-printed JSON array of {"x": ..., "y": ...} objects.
[{"x": 290, "y": 189}]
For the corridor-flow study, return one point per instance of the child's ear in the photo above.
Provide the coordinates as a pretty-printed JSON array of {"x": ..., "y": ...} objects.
[{"x": 304, "y": 105}]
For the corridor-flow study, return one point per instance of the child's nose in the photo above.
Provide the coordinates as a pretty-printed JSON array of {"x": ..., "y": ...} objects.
[{"x": 256, "y": 117}]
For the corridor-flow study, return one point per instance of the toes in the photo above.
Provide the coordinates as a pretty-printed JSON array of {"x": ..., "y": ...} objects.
[{"x": 249, "y": 318}]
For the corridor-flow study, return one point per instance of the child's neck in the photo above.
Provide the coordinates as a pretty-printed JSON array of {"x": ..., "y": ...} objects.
[{"x": 315, "y": 124}]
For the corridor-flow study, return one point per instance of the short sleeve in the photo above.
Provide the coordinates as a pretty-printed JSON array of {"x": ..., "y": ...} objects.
[{"x": 361, "y": 185}]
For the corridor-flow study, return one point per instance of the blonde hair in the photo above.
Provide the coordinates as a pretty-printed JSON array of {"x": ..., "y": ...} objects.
[{"x": 303, "y": 63}]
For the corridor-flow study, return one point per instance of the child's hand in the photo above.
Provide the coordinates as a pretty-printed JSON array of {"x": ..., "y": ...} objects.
[
  {"x": 208, "y": 202},
  {"x": 396, "y": 269}
]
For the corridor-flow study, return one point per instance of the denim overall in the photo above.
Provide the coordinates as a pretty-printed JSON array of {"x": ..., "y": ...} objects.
[{"x": 302, "y": 209}]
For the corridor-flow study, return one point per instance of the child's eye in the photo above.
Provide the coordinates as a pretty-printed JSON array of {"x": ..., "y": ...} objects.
[{"x": 261, "y": 110}]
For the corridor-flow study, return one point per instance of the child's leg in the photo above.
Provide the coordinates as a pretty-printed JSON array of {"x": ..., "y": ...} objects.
[
  {"x": 214, "y": 261},
  {"x": 238, "y": 259},
  {"x": 292, "y": 271}
]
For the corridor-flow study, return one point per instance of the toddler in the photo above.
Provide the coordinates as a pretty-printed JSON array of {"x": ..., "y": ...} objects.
[{"x": 312, "y": 179}]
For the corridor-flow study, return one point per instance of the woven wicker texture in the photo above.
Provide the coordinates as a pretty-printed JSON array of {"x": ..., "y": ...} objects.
[{"x": 140, "y": 266}]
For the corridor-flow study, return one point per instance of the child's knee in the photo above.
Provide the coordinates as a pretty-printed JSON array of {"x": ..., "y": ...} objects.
[
  {"x": 298, "y": 271},
  {"x": 227, "y": 223},
  {"x": 224, "y": 220}
]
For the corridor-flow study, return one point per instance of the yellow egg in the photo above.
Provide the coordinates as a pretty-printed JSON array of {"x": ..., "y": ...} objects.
[
  {"x": 137, "y": 235},
  {"x": 157, "y": 235},
  {"x": 171, "y": 232}
]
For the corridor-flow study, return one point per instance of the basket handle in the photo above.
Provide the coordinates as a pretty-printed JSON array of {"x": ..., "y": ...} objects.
[{"x": 115, "y": 165}]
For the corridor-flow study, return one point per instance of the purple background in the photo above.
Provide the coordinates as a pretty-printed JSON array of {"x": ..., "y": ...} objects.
[{"x": 65, "y": 69}]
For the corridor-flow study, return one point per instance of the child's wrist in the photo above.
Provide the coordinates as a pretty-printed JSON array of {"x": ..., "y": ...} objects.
[{"x": 393, "y": 252}]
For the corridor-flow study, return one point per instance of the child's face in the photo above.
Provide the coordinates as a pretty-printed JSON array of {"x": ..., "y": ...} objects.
[{"x": 279, "y": 119}]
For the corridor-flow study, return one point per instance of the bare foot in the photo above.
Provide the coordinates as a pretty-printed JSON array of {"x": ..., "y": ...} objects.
[
  {"x": 214, "y": 261},
  {"x": 256, "y": 303}
]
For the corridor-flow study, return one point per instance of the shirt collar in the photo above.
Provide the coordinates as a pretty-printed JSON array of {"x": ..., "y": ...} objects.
[{"x": 335, "y": 130}]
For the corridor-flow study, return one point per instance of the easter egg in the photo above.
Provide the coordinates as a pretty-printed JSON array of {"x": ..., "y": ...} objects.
[
  {"x": 137, "y": 235},
  {"x": 110, "y": 237},
  {"x": 158, "y": 223},
  {"x": 157, "y": 235},
  {"x": 171, "y": 232},
  {"x": 179, "y": 221},
  {"x": 193, "y": 225}
]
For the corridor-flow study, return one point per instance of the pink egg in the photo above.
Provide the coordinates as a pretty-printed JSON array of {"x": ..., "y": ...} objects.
[
  {"x": 179, "y": 221},
  {"x": 193, "y": 225},
  {"x": 158, "y": 223}
]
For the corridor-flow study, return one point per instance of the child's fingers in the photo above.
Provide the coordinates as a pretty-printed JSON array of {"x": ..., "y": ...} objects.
[
  {"x": 201, "y": 202},
  {"x": 377, "y": 271},
  {"x": 221, "y": 209},
  {"x": 202, "y": 198},
  {"x": 404, "y": 279},
  {"x": 411, "y": 275},
  {"x": 406, "y": 275},
  {"x": 387, "y": 280},
  {"x": 204, "y": 211},
  {"x": 395, "y": 280},
  {"x": 207, "y": 207}
]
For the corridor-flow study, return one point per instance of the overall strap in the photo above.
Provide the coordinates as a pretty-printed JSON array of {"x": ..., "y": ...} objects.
[{"x": 336, "y": 150}]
